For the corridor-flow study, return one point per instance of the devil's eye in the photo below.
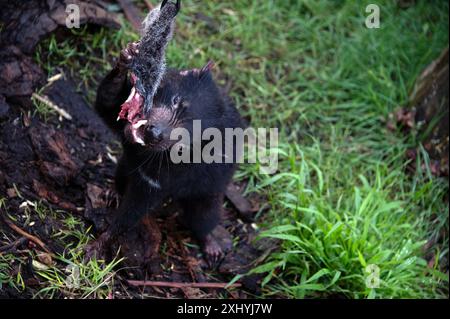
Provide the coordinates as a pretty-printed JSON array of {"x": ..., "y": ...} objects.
[{"x": 175, "y": 100}]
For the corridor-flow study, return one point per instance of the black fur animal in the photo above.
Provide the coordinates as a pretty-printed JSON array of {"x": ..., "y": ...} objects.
[{"x": 145, "y": 175}]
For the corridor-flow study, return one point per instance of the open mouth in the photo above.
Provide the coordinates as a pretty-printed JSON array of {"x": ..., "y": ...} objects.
[
  {"x": 137, "y": 131},
  {"x": 131, "y": 109}
]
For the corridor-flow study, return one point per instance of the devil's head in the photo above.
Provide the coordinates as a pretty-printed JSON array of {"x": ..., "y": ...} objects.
[{"x": 181, "y": 98}]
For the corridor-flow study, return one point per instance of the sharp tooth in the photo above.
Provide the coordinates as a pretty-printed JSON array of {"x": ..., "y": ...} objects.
[
  {"x": 140, "y": 123},
  {"x": 137, "y": 138},
  {"x": 140, "y": 141},
  {"x": 133, "y": 90}
]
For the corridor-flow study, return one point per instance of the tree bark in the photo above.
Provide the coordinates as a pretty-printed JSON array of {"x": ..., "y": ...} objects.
[{"x": 430, "y": 99}]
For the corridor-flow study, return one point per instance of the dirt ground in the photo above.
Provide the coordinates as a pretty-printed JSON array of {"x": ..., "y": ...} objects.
[{"x": 67, "y": 164}]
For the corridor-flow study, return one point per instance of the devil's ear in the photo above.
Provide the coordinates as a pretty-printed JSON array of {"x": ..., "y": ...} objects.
[
  {"x": 206, "y": 70},
  {"x": 208, "y": 67},
  {"x": 201, "y": 73}
]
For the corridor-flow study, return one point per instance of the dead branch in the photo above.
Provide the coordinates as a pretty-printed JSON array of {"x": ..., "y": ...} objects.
[
  {"x": 242, "y": 205},
  {"x": 46, "y": 101},
  {"x": 23, "y": 233},
  {"x": 132, "y": 13},
  {"x": 13, "y": 245}
]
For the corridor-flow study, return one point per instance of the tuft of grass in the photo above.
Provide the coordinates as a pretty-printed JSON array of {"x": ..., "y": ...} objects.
[
  {"x": 7, "y": 264},
  {"x": 86, "y": 54},
  {"x": 74, "y": 277},
  {"x": 342, "y": 198},
  {"x": 330, "y": 233},
  {"x": 69, "y": 275}
]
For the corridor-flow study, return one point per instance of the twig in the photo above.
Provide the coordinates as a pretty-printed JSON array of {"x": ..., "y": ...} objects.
[
  {"x": 46, "y": 101},
  {"x": 242, "y": 204},
  {"x": 217, "y": 285},
  {"x": 12, "y": 245},
  {"x": 132, "y": 13},
  {"x": 23, "y": 233}
]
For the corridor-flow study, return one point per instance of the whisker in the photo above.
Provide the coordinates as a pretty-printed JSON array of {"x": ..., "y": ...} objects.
[{"x": 148, "y": 159}]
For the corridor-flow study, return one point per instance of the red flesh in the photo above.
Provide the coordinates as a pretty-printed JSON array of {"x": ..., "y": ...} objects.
[{"x": 131, "y": 109}]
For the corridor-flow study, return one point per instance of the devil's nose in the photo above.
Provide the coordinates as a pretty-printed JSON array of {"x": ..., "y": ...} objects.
[{"x": 155, "y": 132}]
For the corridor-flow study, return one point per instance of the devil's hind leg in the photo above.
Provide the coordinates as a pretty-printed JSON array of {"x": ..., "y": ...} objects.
[{"x": 201, "y": 216}]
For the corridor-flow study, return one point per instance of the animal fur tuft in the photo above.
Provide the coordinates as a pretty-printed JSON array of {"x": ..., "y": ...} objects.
[{"x": 149, "y": 65}]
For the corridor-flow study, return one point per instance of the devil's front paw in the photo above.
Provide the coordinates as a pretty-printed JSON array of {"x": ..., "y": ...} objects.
[
  {"x": 128, "y": 54},
  {"x": 172, "y": 8}
]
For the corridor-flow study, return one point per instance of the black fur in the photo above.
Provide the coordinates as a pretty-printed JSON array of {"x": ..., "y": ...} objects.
[{"x": 198, "y": 187}]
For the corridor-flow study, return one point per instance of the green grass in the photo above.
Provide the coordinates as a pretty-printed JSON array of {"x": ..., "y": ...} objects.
[
  {"x": 68, "y": 275},
  {"x": 7, "y": 262},
  {"x": 74, "y": 277},
  {"x": 85, "y": 53},
  {"x": 342, "y": 198}
]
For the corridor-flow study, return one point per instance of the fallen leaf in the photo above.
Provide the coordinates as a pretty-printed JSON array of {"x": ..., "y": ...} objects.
[
  {"x": 39, "y": 266},
  {"x": 45, "y": 258}
]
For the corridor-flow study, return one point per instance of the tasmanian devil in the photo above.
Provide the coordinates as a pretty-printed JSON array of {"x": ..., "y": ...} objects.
[{"x": 146, "y": 174}]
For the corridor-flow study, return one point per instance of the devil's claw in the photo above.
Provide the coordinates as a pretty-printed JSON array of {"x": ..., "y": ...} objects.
[{"x": 127, "y": 55}]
